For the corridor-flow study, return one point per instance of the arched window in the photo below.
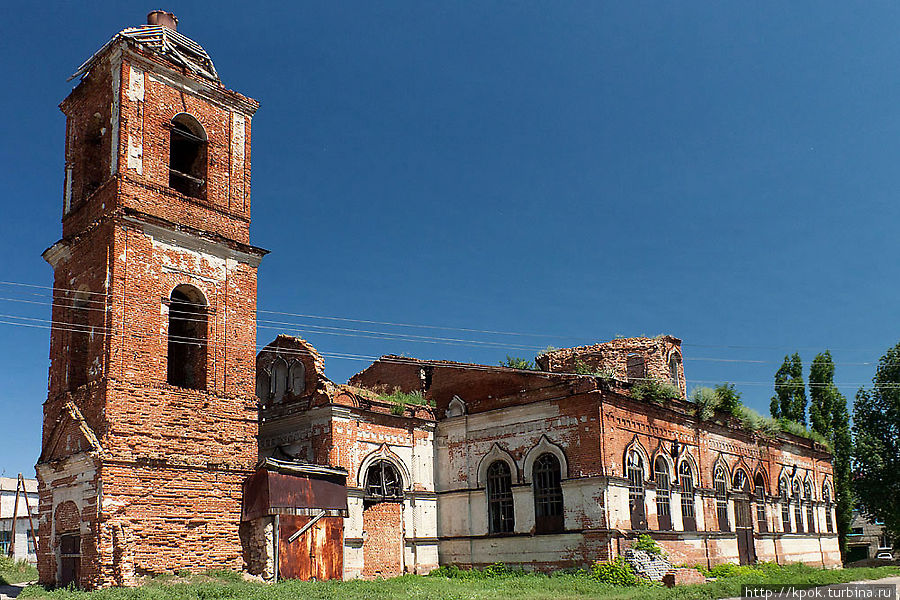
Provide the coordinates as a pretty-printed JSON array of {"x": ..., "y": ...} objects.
[
  {"x": 383, "y": 482},
  {"x": 675, "y": 369},
  {"x": 187, "y": 338},
  {"x": 92, "y": 157},
  {"x": 297, "y": 378},
  {"x": 826, "y": 497},
  {"x": 663, "y": 493},
  {"x": 262, "y": 384},
  {"x": 686, "y": 478},
  {"x": 548, "y": 498},
  {"x": 759, "y": 493},
  {"x": 279, "y": 382},
  {"x": 500, "y": 501},
  {"x": 784, "y": 495},
  {"x": 720, "y": 483},
  {"x": 187, "y": 156},
  {"x": 635, "y": 367},
  {"x": 798, "y": 509},
  {"x": 807, "y": 497},
  {"x": 635, "y": 473},
  {"x": 79, "y": 342}
]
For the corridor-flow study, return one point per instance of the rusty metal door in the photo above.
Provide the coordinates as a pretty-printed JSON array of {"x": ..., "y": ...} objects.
[{"x": 317, "y": 554}]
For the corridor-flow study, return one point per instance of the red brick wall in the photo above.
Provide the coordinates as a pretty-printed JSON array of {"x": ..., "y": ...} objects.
[{"x": 383, "y": 545}]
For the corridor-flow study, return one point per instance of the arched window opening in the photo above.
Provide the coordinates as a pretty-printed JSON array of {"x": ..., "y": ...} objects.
[
  {"x": 759, "y": 494},
  {"x": 383, "y": 483},
  {"x": 91, "y": 157},
  {"x": 784, "y": 495},
  {"x": 810, "y": 518},
  {"x": 798, "y": 509},
  {"x": 500, "y": 500},
  {"x": 262, "y": 384},
  {"x": 663, "y": 493},
  {"x": 279, "y": 381},
  {"x": 675, "y": 369},
  {"x": 187, "y": 156},
  {"x": 548, "y": 496},
  {"x": 79, "y": 342},
  {"x": 635, "y": 367},
  {"x": 686, "y": 478},
  {"x": 635, "y": 473},
  {"x": 721, "y": 487},
  {"x": 297, "y": 378},
  {"x": 187, "y": 338},
  {"x": 826, "y": 497}
]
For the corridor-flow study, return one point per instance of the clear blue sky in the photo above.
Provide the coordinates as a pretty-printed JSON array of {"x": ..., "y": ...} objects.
[{"x": 724, "y": 172}]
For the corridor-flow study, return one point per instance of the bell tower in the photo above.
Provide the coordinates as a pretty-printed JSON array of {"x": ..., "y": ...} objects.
[{"x": 150, "y": 419}]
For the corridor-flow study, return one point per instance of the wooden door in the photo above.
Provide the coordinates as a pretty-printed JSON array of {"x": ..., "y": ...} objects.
[
  {"x": 317, "y": 554},
  {"x": 744, "y": 529},
  {"x": 69, "y": 559}
]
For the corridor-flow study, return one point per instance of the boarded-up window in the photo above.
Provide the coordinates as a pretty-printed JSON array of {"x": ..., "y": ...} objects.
[
  {"x": 187, "y": 338},
  {"x": 548, "y": 496},
  {"x": 636, "y": 367},
  {"x": 500, "y": 500}
]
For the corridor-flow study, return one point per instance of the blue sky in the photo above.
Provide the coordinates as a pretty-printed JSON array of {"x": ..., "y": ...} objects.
[{"x": 723, "y": 172}]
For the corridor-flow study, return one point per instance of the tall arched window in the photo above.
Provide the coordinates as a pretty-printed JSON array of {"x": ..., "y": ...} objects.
[
  {"x": 675, "y": 369},
  {"x": 187, "y": 156},
  {"x": 810, "y": 518},
  {"x": 826, "y": 497},
  {"x": 279, "y": 382},
  {"x": 635, "y": 473},
  {"x": 721, "y": 487},
  {"x": 297, "y": 378},
  {"x": 663, "y": 493},
  {"x": 548, "y": 497},
  {"x": 798, "y": 509},
  {"x": 79, "y": 342},
  {"x": 686, "y": 478},
  {"x": 759, "y": 494},
  {"x": 500, "y": 501},
  {"x": 383, "y": 482},
  {"x": 187, "y": 338},
  {"x": 263, "y": 385},
  {"x": 784, "y": 495}
]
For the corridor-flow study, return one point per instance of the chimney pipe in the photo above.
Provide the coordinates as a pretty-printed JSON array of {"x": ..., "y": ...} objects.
[{"x": 161, "y": 17}]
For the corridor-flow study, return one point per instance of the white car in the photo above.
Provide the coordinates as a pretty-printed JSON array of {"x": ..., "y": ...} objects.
[{"x": 884, "y": 556}]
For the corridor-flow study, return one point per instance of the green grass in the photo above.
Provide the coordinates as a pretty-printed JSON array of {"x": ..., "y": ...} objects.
[
  {"x": 15, "y": 571},
  {"x": 518, "y": 586}
]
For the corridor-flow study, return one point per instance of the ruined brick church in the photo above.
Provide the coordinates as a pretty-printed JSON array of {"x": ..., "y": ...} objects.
[{"x": 169, "y": 443}]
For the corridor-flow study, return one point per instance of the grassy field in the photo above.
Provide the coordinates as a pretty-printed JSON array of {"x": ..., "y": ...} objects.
[
  {"x": 519, "y": 587},
  {"x": 15, "y": 572}
]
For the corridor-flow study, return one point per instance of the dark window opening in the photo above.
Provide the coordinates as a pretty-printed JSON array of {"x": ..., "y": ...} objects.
[
  {"x": 383, "y": 483},
  {"x": 798, "y": 509},
  {"x": 635, "y": 367},
  {"x": 720, "y": 484},
  {"x": 548, "y": 497},
  {"x": 91, "y": 158},
  {"x": 783, "y": 493},
  {"x": 760, "y": 496},
  {"x": 635, "y": 474},
  {"x": 187, "y": 338},
  {"x": 187, "y": 157},
  {"x": 674, "y": 369},
  {"x": 687, "y": 497},
  {"x": 663, "y": 494},
  {"x": 826, "y": 497},
  {"x": 79, "y": 343},
  {"x": 500, "y": 501},
  {"x": 262, "y": 384},
  {"x": 810, "y": 518}
]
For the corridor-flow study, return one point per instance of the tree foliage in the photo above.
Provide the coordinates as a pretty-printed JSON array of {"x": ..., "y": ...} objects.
[
  {"x": 828, "y": 416},
  {"x": 789, "y": 401},
  {"x": 876, "y": 451},
  {"x": 514, "y": 362}
]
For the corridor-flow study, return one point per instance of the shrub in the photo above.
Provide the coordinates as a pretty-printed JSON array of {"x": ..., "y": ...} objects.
[
  {"x": 514, "y": 362},
  {"x": 617, "y": 572},
  {"x": 729, "y": 398},
  {"x": 731, "y": 570},
  {"x": 706, "y": 401},
  {"x": 401, "y": 399},
  {"x": 648, "y": 545},
  {"x": 655, "y": 391}
]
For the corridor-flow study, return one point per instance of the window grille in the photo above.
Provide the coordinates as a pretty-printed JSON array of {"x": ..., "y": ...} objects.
[
  {"x": 500, "y": 502},
  {"x": 548, "y": 497},
  {"x": 720, "y": 484},
  {"x": 663, "y": 494},
  {"x": 635, "y": 474},
  {"x": 687, "y": 497}
]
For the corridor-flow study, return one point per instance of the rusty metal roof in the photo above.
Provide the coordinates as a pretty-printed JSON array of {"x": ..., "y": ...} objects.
[{"x": 163, "y": 41}]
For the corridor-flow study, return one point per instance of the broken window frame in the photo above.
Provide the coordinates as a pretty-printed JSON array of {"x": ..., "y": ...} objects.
[
  {"x": 188, "y": 156},
  {"x": 383, "y": 482},
  {"x": 501, "y": 517}
]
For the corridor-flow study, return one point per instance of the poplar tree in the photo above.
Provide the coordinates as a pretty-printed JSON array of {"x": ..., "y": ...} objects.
[
  {"x": 876, "y": 448},
  {"x": 789, "y": 401},
  {"x": 828, "y": 416}
]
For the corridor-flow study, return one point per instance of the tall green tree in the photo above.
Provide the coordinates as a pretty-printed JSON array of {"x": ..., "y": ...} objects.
[
  {"x": 828, "y": 416},
  {"x": 789, "y": 401},
  {"x": 876, "y": 448}
]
